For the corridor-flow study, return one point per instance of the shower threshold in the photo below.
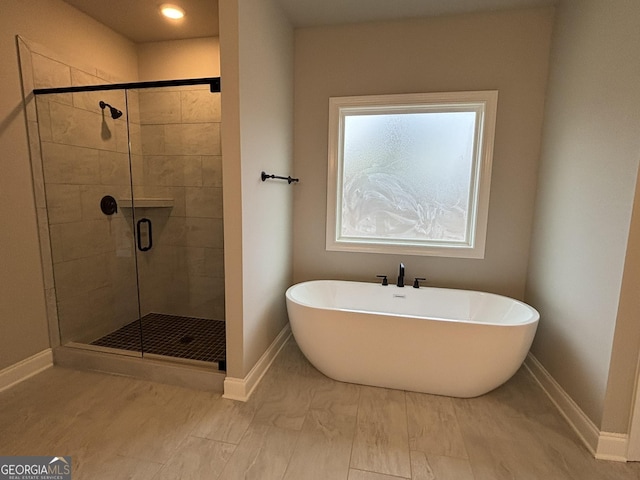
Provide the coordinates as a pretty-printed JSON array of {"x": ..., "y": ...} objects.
[{"x": 171, "y": 337}]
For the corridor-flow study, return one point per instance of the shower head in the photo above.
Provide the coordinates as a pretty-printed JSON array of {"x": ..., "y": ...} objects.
[{"x": 115, "y": 113}]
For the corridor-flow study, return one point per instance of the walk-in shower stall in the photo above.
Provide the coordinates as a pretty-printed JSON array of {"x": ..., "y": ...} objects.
[{"x": 133, "y": 186}]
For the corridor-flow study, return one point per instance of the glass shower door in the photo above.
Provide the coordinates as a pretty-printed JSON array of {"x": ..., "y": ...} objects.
[
  {"x": 133, "y": 187},
  {"x": 177, "y": 186},
  {"x": 87, "y": 183}
]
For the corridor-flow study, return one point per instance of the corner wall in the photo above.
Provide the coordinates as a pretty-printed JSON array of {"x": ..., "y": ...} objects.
[
  {"x": 23, "y": 321},
  {"x": 586, "y": 188},
  {"x": 257, "y": 104},
  {"x": 505, "y": 51}
]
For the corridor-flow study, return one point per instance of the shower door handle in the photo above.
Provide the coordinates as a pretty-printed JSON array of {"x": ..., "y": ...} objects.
[{"x": 150, "y": 234}]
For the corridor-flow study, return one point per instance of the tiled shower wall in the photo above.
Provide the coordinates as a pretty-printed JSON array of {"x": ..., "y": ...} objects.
[
  {"x": 85, "y": 156},
  {"x": 179, "y": 160}
]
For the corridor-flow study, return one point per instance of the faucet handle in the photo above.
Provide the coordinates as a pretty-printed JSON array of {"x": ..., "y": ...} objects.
[
  {"x": 384, "y": 279},
  {"x": 416, "y": 282}
]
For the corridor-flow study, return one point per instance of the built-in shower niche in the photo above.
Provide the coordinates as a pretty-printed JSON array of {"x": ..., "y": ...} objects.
[{"x": 159, "y": 255}]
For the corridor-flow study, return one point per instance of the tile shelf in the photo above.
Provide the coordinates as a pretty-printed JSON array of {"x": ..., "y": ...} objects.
[{"x": 145, "y": 202}]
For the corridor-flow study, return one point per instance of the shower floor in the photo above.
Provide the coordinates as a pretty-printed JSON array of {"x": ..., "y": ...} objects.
[{"x": 172, "y": 336}]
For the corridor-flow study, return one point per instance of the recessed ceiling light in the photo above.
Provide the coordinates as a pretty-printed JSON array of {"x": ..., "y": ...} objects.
[{"x": 172, "y": 11}]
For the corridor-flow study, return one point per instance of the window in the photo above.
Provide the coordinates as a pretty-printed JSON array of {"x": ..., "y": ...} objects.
[{"x": 410, "y": 173}]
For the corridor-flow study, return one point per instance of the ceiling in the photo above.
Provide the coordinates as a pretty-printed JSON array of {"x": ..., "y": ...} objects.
[
  {"x": 307, "y": 13},
  {"x": 140, "y": 21}
]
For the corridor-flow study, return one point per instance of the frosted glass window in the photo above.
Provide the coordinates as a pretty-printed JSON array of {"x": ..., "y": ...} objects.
[{"x": 410, "y": 173}]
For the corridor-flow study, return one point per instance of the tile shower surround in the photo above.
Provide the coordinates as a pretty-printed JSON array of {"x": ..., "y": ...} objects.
[
  {"x": 92, "y": 254},
  {"x": 72, "y": 199},
  {"x": 298, "y": 425}
]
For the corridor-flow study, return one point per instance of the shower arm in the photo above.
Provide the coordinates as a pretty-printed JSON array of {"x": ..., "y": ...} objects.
[{"x": 115, "y": 113}]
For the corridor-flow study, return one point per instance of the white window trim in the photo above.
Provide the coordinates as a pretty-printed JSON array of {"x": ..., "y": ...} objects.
[{"x": 479, "y": 210}]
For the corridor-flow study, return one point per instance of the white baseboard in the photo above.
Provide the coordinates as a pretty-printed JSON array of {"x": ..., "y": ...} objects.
[
  {"x": 603, "y": 445},
  {"x": 613, "y": 446},
  {"x": 28, "y": 367},
  {"x": 242, "y": 388}
]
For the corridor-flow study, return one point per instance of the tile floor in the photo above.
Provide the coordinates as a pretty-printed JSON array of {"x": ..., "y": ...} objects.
[
  {"x": 298, "y": 425},
  {"x": 172, "y": 336}
]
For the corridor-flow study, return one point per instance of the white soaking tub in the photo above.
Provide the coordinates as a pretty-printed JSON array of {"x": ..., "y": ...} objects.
[{"x": 442, "y": 341}]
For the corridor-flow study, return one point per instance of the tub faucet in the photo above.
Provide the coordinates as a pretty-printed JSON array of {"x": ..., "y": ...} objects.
[{"x": 401, "y": 276}]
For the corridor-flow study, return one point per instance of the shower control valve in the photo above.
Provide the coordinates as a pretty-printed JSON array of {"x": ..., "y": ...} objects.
[
  {"x": 108, "y": 205},
  {"x": 384, "y": 279}
]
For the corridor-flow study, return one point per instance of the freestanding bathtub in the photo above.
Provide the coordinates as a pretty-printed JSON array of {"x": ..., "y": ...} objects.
[{"x": 442, "y": 341}]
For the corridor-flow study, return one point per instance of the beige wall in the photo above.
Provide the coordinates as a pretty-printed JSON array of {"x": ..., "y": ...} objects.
[
  {"x": 23, "y": 324},
  {"x": 505, "y": 51},
  {"x": 587, "y": 182},
  {"x": 232, "y": 187},
  {"x": 626, "y": 340},
  {"x": 193, "y": 58},
  {"x": 257, "y": 67}
]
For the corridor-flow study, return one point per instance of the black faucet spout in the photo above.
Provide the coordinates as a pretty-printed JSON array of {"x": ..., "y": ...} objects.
[{"x": 401, "y": 276}]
